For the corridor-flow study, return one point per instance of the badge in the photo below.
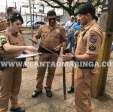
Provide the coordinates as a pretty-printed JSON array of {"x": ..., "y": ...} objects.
[
  {"x": 92, "y": 47},
  {"x": 3, "y": 39},
  {"x": 93, "y": 39}
]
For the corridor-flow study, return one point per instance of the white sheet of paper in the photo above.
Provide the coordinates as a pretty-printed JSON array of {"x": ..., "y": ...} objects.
[{"x": 27, "y": 55}]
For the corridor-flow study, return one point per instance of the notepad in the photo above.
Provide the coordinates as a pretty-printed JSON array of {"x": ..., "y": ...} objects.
[{"x": 27, "y": 55}]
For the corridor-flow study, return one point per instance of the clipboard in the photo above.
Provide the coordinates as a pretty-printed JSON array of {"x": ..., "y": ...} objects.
[{"x": 27, "y": 55}]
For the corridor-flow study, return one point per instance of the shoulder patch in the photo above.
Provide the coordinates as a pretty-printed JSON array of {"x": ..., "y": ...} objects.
[
  {"x": 3, "y": 40},
  {"x": 93, "y": 39}
]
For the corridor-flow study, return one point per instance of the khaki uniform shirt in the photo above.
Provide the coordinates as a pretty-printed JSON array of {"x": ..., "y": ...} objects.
[
  {"x": 51, "y": 37},
  {"x": 8, "y": 37},
  {"x": 90, "y": 39}
]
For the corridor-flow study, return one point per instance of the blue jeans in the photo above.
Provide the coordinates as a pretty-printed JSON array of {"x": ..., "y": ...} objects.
[{"x": 71, "y": 41}]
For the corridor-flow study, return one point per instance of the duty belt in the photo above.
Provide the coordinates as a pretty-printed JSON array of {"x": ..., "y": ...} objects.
[{"x": 51, "y": 51}]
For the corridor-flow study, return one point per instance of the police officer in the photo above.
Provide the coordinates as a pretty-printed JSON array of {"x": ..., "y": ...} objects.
[
  {"x": 52, "y": 37},
  {"x": 12, "y": 44},
  {"x": 4, "y": 22},
  {"x": 89, "y": 43}
]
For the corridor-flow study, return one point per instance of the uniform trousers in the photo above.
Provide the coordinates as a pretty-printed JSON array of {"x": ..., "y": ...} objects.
[
  {"x": 83, "y": 79},
  {"x": 10, "y": 87},
  {"x": 46, "y": 60}
]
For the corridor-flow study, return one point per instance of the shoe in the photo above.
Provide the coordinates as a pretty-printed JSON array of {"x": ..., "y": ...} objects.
[
  {"x": 48, "y": 93},
  {"x": 18, "y": 109},
  {"x": 36, "y": 93},
  {"x": 71, "y": 90}
]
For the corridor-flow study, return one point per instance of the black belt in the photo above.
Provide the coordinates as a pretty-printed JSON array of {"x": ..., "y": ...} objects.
[{"x": 43, "y": 50}]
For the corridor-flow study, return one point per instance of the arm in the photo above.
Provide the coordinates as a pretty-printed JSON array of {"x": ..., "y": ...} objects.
[
  {"x": 7, "y": 47},
  {"x": 92, "y": 49},
  {"x": 62, "y": 39},
  {"x": 37, "y": 36},
  {"x": 84, "y": 57},
  {"x": 13, "y": 48}
]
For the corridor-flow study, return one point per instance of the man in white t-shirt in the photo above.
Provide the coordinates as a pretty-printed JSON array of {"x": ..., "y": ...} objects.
[{"x": 69, "y": 23}]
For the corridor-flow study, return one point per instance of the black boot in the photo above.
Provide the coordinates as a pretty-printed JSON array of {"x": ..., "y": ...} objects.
[
  {"x": 36, "y": 93},
  {"x": 48, "y": 93},
  {"x": 71, "y": 90}
]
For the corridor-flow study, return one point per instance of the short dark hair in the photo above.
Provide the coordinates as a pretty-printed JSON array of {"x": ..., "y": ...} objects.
[
  {"x": 16, "y": 16},
  {"x": 51, "y": 13}
]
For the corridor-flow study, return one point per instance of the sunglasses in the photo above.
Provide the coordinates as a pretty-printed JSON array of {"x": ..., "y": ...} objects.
[{"x": 51, "y": 19}]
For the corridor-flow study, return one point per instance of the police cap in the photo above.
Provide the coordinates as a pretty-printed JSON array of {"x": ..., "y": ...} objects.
[{"x": 87, "y": 8}]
